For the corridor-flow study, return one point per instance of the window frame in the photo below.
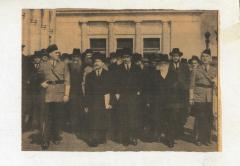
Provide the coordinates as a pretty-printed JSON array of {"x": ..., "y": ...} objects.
[
  {"x": 153, "y": 37},
  {"x": 99, "y": 37}
]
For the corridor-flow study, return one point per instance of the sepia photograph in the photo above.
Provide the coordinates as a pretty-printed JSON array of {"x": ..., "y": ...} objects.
[{"x": 97, "y": 80}]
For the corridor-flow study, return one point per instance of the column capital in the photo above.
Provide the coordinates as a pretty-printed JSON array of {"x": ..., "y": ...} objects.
[
  {"x": 137, "y": 21},
  {"x": 165, "y": 21}
]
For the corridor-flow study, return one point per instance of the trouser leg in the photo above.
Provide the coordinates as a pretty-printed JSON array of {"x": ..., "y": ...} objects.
[
  {"x": 46, "y": 123},
  {"x": 57, "y": 119},
  {"x": 171, "y": 125}
]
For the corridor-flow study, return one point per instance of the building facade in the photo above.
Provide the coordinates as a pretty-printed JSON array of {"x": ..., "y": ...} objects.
[{"x": 145, "y": 31}]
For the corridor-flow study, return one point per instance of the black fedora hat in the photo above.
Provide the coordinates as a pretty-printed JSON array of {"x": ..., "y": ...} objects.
[
  {"x": 176, "y": 51},
  {"x": 76, "y": 51},
  {"x": 207, "y": 51},
  {"x": 44, "y": 52},
  {"x": 98, "y": 55},
  {"x": 65, "y": 56},
  {"x": 161, "y": 58},
  {"x": 194, "y": 57},
  {"x": 126, "y": 52},
  {"x": 51, "y": 48}
]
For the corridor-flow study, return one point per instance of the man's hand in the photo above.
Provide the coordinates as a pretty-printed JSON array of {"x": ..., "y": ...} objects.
[
  {"x": 86, "y": 109},
  {"x": 138, "y": 93},
  {"x": 44, "y": 84},
  {"x": 191, "y": 101},
  {"x": 65, "y": 98},
  {"x": 117, "y": 96},
  {"x": 148, "y": 105},
  {"x": 108, "y": 107}
]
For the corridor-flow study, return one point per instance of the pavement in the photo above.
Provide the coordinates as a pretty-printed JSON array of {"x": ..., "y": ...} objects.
[{"x": 71, "y": 142}]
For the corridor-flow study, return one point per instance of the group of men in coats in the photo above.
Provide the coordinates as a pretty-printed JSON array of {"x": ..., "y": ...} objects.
[{"x": 124, "y": 96}]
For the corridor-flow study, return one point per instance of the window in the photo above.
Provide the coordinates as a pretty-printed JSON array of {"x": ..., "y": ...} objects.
[
  {"x": 98, "y": 45},
  {"x": 124, "y": 43},
  {"x": 151, "y": 45}
]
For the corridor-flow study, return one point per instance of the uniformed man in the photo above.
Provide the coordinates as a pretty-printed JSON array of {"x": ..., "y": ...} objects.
[
  {"x": 203, "y": 82},
  {"x": 183, "y": 76},
  {"x": 56, "y": 82},
  {"x": 97, "y": 101},
  {"x": 128, "y": 95}
]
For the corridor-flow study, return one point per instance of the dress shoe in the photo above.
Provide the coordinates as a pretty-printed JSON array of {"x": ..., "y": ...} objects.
[
  {"x": 134, "y": 141},
  {"x": 171, "y": 145},
  {"x": 45, "y": 145},
  {"x": 56, "y": 142},
  {"x": 206, "y": 144},
  {"x": 198, "y": 143},
  {"x": 125, "y": 143}
]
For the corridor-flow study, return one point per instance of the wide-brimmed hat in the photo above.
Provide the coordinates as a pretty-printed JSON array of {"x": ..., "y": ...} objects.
[
  {"x": 51, "y": 48},
  {"x": 176, "y": 51},
  {"x": 161, "y": 58},
  {"x": 207, "y": 51},
  {"x": 44, "y": 52},
  {"x": 194, "y": 57},
  {"x": 124, "y": 52},
  {"x": 76, "y": 51},
  {"x": 100, "y": 56},
  {"x": 65, "y": 56}
]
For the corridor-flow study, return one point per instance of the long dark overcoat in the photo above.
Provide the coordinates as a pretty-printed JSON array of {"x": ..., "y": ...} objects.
[
  {"x": 128, "y": 88},
  {"x": 96, "y": 88}
]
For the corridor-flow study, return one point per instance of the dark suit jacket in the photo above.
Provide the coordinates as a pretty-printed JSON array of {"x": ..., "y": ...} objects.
[
  {"x": 35, "y": 81},
  {"x": 96, "y": 88},
  {"x": 128, "y": 86},
  {"x": 164, "y": 95},
  {"x": 128, "y": 81},
  {"x": 183, "y": 81}
]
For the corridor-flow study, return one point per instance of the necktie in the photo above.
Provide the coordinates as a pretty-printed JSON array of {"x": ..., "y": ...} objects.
[
  {"x": 176, "y": 65},
  {"x": 54, "y": 63},
  {"x": 206, "y": 68},
  {"x": 127, "y": 67}
]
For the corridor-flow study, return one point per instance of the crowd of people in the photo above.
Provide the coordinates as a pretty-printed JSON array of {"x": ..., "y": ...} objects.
[{"x": 125, "y": 97}]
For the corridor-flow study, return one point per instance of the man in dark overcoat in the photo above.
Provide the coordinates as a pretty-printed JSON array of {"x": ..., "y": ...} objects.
[
  {"x": 36, "y": 90},
  {"x": 76, "y": 94},
  {"x": 183, "y": 80},
  {"x": 113, "y": 81},
  {"x": 164, "y": 98},
  {"x": 128, "y": 95},
  {"x": 97, "y": 101}
]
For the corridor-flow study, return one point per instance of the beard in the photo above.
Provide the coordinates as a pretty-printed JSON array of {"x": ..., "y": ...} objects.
[{"x": 75, "y": 67}]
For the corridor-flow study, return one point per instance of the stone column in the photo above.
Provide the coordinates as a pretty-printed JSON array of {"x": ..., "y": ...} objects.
[
  {"x": 45, "y": 29},
  {"x": 166, "y": 37},
  {"x": 110, "y": 38},
  {"x": 35, "y": 32},
  {"x": 138, "y": 39},
  {"x": 84, "y": 40},
  {"x": 52, "y": 30}
]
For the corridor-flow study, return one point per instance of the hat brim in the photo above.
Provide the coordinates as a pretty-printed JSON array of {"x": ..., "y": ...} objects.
[{"x": 179, "y": 53}]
